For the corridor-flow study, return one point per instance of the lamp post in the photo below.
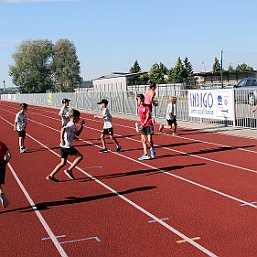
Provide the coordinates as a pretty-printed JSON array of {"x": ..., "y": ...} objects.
[{"x": 221, "y": 68}]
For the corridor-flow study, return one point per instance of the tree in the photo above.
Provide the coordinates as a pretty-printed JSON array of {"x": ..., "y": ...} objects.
[
  {"x": 177, "y": 74},
  {"x": 135, "y": 68},
  {"x": 65, "y": 66},
  {"x": 32, "y": 72},
  {"x": 216, "y": 65},
  {"x": 243, "y": 67},
  {"x": 230, "y": 68},
  {"x": 157, "y": 73}
]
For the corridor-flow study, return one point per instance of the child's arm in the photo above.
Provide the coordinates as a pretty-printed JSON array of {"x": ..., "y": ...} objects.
[
  {"x": 81, "y": 127},
  {"x": 255, "y": 108},
  {"x": 148, "y": 117},
  {"x": 15, "y": 125},
  {"x": 62, "y": 136}
]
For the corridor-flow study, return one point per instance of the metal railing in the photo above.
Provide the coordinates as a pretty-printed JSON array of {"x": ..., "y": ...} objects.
[{"x": 125, "y": 103}]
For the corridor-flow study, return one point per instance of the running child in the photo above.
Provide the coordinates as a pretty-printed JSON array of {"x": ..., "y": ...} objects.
[
  {"x": 107, "y": 127},
  {"x": 64, "y": 110},
  {"x": 67, "y": 135},
  {"x": 20, "y": 125},
  {"x": 5, "y": 157},
  {"x": 170, "y": 116},
  {"x": 146, "y": 127}
]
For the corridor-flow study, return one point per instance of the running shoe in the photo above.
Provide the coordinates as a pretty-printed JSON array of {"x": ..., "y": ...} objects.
[
  {"x": 51, "y": 178},
  {"x": 118, "y": 149},
  {"x": 144, "y": 157},
  {"x": 161, "y": 127},
  {"x": 104, "y": 150},
  {"x": 153, "y": 154},
  {"x": 69, "y": 174},
  {"x": 23, "y": 150},
  {"x": 4, "y": 200}
]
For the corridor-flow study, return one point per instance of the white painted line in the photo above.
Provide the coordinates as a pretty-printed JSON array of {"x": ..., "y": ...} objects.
[
  {"x": 151, "y": 221},
  {"x": 37, "y": 212},
  {"x": 82, "y": 239},
  {"x": 47, "y": 238}
]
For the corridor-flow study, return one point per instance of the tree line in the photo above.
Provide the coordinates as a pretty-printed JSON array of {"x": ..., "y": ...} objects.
[{"x": 41, "y": 66}]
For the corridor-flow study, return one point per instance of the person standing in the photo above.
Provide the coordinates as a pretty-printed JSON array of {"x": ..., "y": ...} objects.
[
  {"x": 20, "y": 125},
  {"x": 146, "y": 128}
]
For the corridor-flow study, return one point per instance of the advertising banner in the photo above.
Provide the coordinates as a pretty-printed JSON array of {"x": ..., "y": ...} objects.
[{"x": 211, "y": 104}]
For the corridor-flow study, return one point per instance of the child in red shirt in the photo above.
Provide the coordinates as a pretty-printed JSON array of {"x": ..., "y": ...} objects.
[
  {"x": 146, "y": 127},
  {"x": 5, "y": 156}
]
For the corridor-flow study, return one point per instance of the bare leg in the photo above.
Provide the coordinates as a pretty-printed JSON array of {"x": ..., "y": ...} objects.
[
  {"x": 58, "y": 167},
  {"x": 143, "y": 139},
  {"x": 76, "y": 161},
  {"x": 103, "y": 140}
]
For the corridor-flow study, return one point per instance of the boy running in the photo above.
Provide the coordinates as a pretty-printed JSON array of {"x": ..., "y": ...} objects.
[
  {"x": 67, "y": 135},
  {"x": 5, "y": 156},
  {"x": 20, "y": 125},
  {"x": 107, "y": 128},
  {"x": 146, "y": 127}
]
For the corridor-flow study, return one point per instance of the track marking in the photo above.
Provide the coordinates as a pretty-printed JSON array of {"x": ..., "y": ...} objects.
[
  {"x": 147, "y": 213},
  {"x": 47, "y": 238},
  {"x": 152, "y": 221},
  {"x": 246, "y": 204},
  {"x": 39, "y": 215},
  {"x": 183, "y": 241},
  {"x": 81, "y": 239}
]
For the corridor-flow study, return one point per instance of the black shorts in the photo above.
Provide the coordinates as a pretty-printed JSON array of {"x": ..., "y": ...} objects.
[
  {"x": 173, "y": 121},
  {"x": 21, "y": 133},
  {"x": 108, "y": 131},
  {"x": 2, "y": 173},
  {"x": 65, "y": 152},
  {"x": 149, "y": 130}
]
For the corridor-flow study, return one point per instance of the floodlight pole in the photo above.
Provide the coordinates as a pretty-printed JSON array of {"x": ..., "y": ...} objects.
[{"x": 221, "y": 69}]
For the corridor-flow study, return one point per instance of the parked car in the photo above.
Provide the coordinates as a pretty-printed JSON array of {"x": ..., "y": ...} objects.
[{"x": 246, "y": 90}]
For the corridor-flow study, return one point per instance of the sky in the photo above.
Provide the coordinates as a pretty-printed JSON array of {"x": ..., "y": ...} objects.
[{"x": 109, "y": 35}]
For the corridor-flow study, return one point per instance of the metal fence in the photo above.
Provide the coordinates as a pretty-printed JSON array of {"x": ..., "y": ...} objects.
[{"x": 125, "y": 103}]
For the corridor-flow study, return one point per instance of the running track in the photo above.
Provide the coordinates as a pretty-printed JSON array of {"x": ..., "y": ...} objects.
[{"x": 196, "y": 199}]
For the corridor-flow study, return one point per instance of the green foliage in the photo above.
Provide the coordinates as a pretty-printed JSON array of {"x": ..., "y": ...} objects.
[
  {"x": 216, "y": 65},
  {"x": 243, "y": 67},
  {"x": 65, "y": 66},
  {"x": 41, "y": 66},
  {"x": 32, "y": 72},
  {"x": 158, "y": 72},
  {"x": 135, "y": 68},
  {"x": 230, "y": 68}
]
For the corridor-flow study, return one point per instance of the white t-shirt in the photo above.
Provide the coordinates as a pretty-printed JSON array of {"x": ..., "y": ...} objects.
[
  {"x": 62, "y": 112},
  {"x": 21, "y": 119},
  {"x": 69, "y": 133},
  {"x": 107, "y": 117},
  {"x": 170, "y": 109}
]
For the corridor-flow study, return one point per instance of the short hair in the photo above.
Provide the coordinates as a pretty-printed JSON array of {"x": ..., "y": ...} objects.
[
  {"x": 141, "y": 97},
  {"x": 23, "y": 106},
  {"x": 74, "y": 113}
]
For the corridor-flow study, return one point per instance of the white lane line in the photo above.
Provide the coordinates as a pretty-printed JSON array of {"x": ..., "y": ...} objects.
[
  {"x": 39, "y": 215},
  {"x": 153, "y": 217}
]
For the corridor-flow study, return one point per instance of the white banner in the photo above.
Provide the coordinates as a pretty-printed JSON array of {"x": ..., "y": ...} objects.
[{"x": 211, "y": 104}]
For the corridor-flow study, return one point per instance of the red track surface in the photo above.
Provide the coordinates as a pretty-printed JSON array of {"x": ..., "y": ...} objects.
[{"x": 197, "y": 183}]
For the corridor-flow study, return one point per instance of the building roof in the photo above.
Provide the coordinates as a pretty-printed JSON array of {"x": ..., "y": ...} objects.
[{"x": 120, "y": 74}]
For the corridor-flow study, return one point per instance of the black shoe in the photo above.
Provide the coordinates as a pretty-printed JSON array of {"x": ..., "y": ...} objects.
[
  {"x": 104, "y": 150},
  {"x": 52, "y": 179},
  {"x": 118, "y": 149}
]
